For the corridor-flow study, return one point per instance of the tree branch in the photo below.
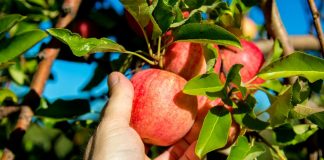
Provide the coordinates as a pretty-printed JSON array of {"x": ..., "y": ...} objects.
[
  {"x": 70, "y": 8},
  {"x": 7, "y": 110},
  {"x": 275, "y": 26},
  {"x": 305, "y": 42},
  {"x": 317, "y": 23}
]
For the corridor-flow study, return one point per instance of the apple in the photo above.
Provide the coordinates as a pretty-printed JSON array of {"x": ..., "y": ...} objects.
[
  {"x": 162, "y": 114},
  {"x": 185, "y": 14},
  {"x": 84, "y": 27},
  {"x": 250, "y": 56},
  {"x": 185, "y": 59},
  {"x": 249, "y": 28}
]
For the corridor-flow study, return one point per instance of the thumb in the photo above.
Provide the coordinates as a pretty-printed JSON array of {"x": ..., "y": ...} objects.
[{"x": 121, "y": 99}]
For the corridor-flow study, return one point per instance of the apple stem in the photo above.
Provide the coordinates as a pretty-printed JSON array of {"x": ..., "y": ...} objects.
[
  {"x": 148, "y": 43},
  {"x": 141, "y": 56},
  {"x": 251, "y": 80},
  {"x": 159, "y": 48}
]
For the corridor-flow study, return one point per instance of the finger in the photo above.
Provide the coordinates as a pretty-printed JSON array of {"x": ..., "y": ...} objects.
[
  {"x": 189, "y": 154},
  {"x": 175, "y": 151},
  {"x": 120, "y": 102},
  {"x": 179, "y": 148},
  {"x": 88, "y": 149}
]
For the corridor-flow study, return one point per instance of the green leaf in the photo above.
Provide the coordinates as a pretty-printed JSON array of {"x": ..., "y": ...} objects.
[
  {"x": 65, "y": 108},
  {"x": 273, "y": 84},
  {"x": 205, "y": 33},
  {"x": 317, "y": 118},
  {"x": 267, "y": 155},
  {"x": 296, "y": 64},
  {"x": 164, "y": 14},
  {"x": 40, "y": 137},
  {"x": 41, "y": 3},
  {"x": 43, "y": 103},
  {"x": 300, "y": 91},
  {"x": 302, "y": 111},
  {"x": 19, "y": 44},
  {"x": 82, "y": 46},
  {"x": 23, "y": 27},
  {"x": 156, "y": 32},
  {"x": 254, "y": 123},
  {"x": 303, "y": 132},
  {"x": 193, "y": 4},
  {"x": 194, "y": 17},
  {"x": 17, "y": 74},
  {"x": 242, "y": 150},
  {"x": 6, "y": 94},
  {"x": 211, "y": 55},
  {"x": 139, "y": 9},
  {"x": 316, "y": 86},
  {"x": 284, "y": 133},
  {"x": 201, "y": 84},
  {"x": 276, "y": 54},
  {"x": 8, "y": 21},
  {"x": 280, "y": 108},
  {"x": 214, "y": 131},
  {"x": 292, "y": 135},
  {"x": 234, "y": 77},
  {"x": 63, "y": 146}
]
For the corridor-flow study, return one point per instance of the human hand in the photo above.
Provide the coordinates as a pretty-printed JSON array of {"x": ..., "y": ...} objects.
[{"x": 115, "y": 139}]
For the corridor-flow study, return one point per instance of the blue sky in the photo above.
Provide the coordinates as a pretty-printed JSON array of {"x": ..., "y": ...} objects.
[{"x": 70, "y": 77}]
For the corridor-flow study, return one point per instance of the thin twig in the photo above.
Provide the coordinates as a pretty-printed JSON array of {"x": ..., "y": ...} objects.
[
  {"x": 7, "y": 110},
  {"x": 275, "y": 26},
  {"x": 317, "y": 23},
  {"x": 70, "y": 7},
  {"x": 301, "y": 43},
  {"x": 257, "y": 135}
]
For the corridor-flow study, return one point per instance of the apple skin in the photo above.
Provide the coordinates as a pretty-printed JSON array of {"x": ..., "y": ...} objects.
[
  {"x": 185, "y": 59},
  {"x": 162, "y": 114},
  {"x": 250, "y": 56}
]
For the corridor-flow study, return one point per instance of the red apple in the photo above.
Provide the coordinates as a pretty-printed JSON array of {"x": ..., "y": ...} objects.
[
  {"x": 84, "y": 27},
  {"x": 250, "y": 56},
  {"x": 162, "y": 114},
  {"x": 185, "y": 59},
  {"x": 185, "y": 14}
]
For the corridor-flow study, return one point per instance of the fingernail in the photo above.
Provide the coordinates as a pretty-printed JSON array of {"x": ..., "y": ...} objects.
[{"x": 113, "y": 79}]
